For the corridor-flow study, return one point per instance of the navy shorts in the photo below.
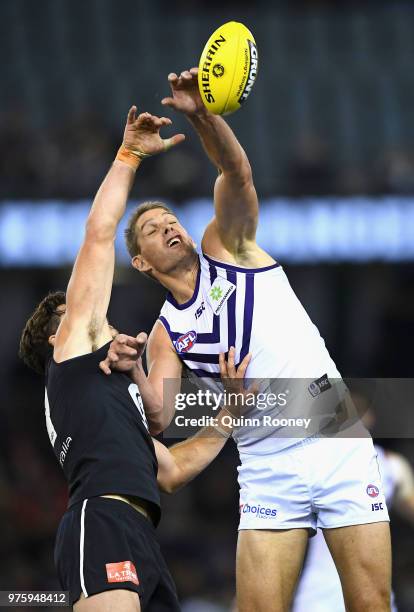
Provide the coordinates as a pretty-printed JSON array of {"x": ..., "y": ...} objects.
[{"x": 104, "y": 544}]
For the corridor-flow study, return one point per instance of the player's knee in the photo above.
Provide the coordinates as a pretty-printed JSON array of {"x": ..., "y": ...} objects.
[{"x": 375, "y": 598}]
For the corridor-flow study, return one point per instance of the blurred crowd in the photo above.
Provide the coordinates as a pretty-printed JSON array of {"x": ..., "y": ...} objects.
[{"x": 69, "y": 162}]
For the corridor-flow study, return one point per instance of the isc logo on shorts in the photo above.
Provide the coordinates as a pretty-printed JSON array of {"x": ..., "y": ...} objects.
[
  {"x": 258, "y": 511},
  {"x": 124, "y": 571}
]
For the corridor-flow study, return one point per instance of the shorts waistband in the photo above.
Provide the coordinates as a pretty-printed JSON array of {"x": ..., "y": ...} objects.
[
  {"x": 138, "y": 507},
  {"x": 118, "y": 503}
]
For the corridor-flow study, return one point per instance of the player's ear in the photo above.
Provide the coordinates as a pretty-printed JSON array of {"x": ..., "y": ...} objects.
[
  {"x": 51, "y": 340},
  {"x": 140, "y": 264}
]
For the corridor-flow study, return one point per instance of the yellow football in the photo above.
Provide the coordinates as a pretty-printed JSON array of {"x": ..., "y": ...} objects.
[{"x": 228, "y": 68}]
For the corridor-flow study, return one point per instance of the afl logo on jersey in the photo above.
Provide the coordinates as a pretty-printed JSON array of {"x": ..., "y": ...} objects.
[
  {"x": 185, "y": 342},
  {"x": 372, "y": 490}
]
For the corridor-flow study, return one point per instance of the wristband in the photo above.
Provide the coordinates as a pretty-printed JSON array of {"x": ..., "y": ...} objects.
[
  {"x": 228, "y": 412},
  {"x": 222, "y": 432},
  {"x": 129, "y": 157}
]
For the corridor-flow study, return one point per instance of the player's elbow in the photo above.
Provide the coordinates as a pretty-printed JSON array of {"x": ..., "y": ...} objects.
[
  {"x": 239, "y": 170},
  {"x": 155, "y": 428},
  {"x": 166, "y": 486},
  {"x": 100, "y": 230},
  {"x": 157, "y": 423},
  {"x": 158, "y": 420},
  {"x": 169, "y": 487},
  {"x": 171, "y": 483}
]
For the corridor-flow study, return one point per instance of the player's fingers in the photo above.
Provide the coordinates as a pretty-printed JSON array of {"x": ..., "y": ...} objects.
[
  {"x": 168, "y": 102},
  {"x": 241, "y": 370},
  {"x": 172, "y": 77},
  {"x": 144, "y": 119},
  {"x": 112, "y": 357},
  {"x": 127, "y": 351},
  {"x": 230, "y": 363},
  {"x": 254, "y": 388},
  {"x": 103, "y": 365},
  {"x": 142, "y": 338},
  {"x": 130, "y": 341},
  {"x": 194, "y": 71},
  {"x": 223, "y": 366},
  {"x": 131, "y": 114},
  {"x": 173, "y": 141},
  {"x": 186, "y": 75},
  {"x": 157, "y": 121},
  {"x": 120, "y": 339}
]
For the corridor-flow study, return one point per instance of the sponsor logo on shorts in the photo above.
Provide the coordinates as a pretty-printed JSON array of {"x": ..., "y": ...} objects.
[
  {"x": 372, "y": 490},
  {"x": 319, "y": 385},
  {"x": 263, "y": 512},
  {"x": 124, "y": 571},
  {"x": 377, "y": 506},
  {"x": 185, "y": 342}
]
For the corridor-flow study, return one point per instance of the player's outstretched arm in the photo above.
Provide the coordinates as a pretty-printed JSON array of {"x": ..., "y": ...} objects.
[
  {"x": 182, "y": 462},
  {"x": 235, "y": 198},
  {"x": 84, "y": 325}
]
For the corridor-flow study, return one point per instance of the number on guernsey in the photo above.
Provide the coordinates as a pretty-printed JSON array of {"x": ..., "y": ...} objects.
[{"x": 136, "y": 396}]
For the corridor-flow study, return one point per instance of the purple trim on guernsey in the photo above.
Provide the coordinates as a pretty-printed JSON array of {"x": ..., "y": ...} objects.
[
  {"x": 205, "y": 374},
  {"x": 227, "y": 266},
  {"x": 200, "y": 357},
  {"x": 213, "y": 273},
  {"x": 173, "y": 335},
  {"x": 231, "y": 311},
  {"x": 248, "y": 316}
]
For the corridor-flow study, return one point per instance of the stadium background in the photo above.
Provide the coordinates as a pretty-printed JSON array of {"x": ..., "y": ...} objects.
[{"x": 330, "y": 123}]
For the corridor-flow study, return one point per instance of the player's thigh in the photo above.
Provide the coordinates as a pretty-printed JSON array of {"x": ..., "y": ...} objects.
[
  {"x": 362, "y": 555},
  {"x": 115, "y": 600},
  {"x": 268, "y": 566}
]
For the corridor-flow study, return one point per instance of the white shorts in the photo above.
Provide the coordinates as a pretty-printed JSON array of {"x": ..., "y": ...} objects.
[{"x": 320, "y": 482}]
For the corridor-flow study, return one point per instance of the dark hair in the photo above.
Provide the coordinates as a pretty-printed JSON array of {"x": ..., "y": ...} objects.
[
  {"x": 131, "y": 236},
  {"x": 34, "y": 346}
]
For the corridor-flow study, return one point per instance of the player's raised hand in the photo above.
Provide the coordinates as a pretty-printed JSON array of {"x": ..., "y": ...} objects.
[
  {"x": 185, "y": 93},
  {"x": 142, "y": 134},
  {"x": 124, "y": 353}
]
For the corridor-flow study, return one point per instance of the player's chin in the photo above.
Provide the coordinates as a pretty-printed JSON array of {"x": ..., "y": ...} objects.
[
  {"x": 179, "y": 254},
  {"x": 180, "y": 249}
]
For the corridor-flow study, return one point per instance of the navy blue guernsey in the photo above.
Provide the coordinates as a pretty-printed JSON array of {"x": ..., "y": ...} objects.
[{"x": 97, "y": 427}]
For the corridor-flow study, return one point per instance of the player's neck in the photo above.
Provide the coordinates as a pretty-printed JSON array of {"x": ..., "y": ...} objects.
[{"x": 181, "y": 283}]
